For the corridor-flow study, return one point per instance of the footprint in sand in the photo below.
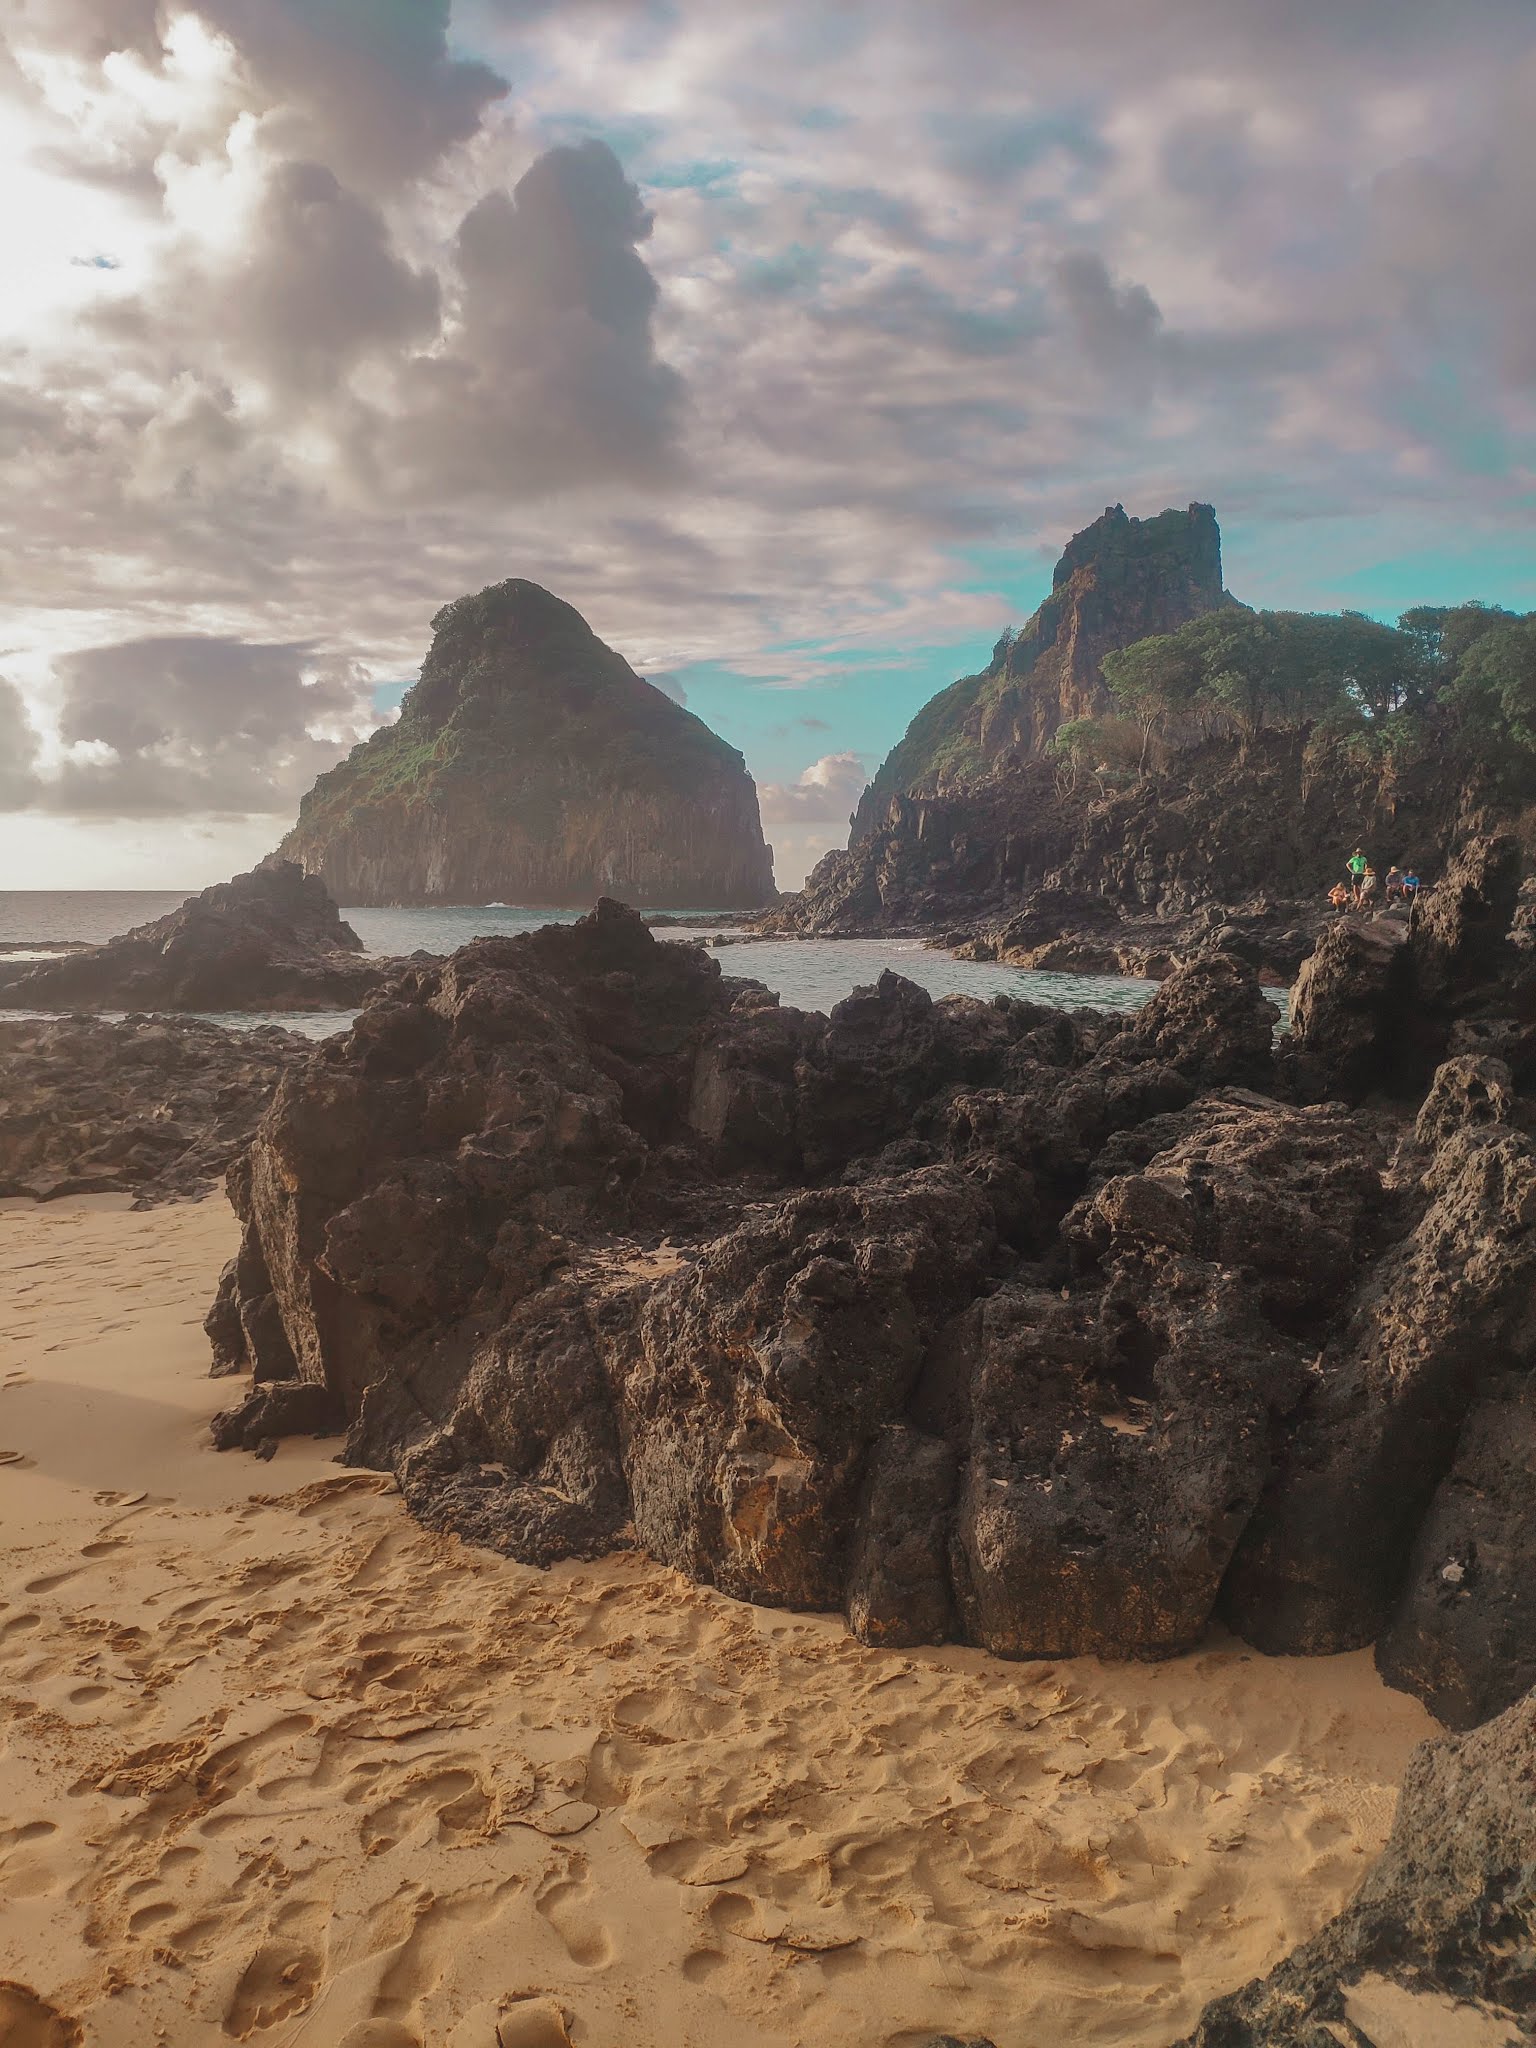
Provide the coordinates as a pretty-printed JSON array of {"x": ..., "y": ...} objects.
[
  {"x": 428, "y": 1951},
  {"x": 533, "y": 2023},
  {"x": 282, "y": 1977},
  {"x": 27, "y": 2021},
  {"x": 565, "y": 1901},
  {"x": 453, "y": 1803},
  {"x": 48, "y": 1583},
  {"x": 14, "y": 1458}
]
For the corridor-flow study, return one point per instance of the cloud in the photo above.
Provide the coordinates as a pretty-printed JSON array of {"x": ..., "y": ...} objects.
[
  {"x": 366, "y": 86},
  {"x": 690, "y": 342},
  {"x": 827, "y": 790},
  {"x": 167, "y": 726},
  {"x": 18, "y": 750},
  {"x": 549, "y": 377},
  {"x": 317, "y": 287}
]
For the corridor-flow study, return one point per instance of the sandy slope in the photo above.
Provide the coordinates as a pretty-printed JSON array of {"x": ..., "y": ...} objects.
[{"x": 275, "y": 1765}]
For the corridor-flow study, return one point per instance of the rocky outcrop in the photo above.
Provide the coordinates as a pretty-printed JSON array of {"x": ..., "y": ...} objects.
[
  {"x": 530, "y": 764},
  {"x": 155, "y": 1107},
  {"x": 1118, "y": 581},
  {"x": 1220, "y": 830},
  {"x": 1052, "y": 1331},
  {"x": 1381, "y": 1003},
  {"x": 1439, "y": 1944},
  {"x": 268, "y": 940}
]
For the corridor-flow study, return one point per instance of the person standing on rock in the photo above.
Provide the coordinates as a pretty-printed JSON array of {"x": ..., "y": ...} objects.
[{"x": 1357, "y": 865}]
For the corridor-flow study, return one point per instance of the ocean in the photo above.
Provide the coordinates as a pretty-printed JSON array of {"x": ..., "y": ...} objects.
[{"x": 810, "y": 974}]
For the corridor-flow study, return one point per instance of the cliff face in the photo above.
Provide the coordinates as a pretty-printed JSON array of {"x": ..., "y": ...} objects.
[
  {"x": 1220, "y": 823},
  {"x": 532, "y": 765},
  {"x": 1118, "y": 581}
]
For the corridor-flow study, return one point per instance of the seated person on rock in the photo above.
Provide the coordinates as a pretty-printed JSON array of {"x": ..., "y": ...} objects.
[
  {"x": 1395, "y": 890},
  {"x": 1369, "y": 888},
  {"x": 1339, "y": 896}
]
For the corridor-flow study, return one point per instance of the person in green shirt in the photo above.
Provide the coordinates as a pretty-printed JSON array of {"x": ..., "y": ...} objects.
[{"x": 1357, "y": 865}]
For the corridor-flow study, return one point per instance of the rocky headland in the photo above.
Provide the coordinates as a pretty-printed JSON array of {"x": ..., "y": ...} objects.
[
  {"x": 1148, "y": 771},
  {"x": 531, "y": 764},
  {"x": 1117, "y": 581},
  {"x": 271, "y": 939}
]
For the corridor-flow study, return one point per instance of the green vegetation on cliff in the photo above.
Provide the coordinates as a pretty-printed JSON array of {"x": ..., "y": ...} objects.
[
  {"x": 1462, "y": 679},
  {"x": 1117, "y": 581}
]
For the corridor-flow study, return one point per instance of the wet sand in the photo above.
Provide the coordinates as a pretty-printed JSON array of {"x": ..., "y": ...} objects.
[{"x": 276, "y": 1765}]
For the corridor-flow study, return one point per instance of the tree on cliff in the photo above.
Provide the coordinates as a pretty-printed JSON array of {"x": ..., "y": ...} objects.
[
  {"x": 1247, "y": 670},
  {"x": 1494, "y": 695}
]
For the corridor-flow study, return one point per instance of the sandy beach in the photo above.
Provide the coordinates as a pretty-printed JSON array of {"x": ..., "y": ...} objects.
[{"x": 277, "y": 1765}]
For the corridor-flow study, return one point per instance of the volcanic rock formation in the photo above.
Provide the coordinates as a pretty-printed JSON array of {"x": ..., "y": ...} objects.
[
  {"x": 1052, "y": 1331},
  {"x": 1223, "y": 830},
  {"x": 1437, "y": 1945},
  {"x": 155, "y": 1107},
  {"x": 270, "y": 939},
  {"x": 1118, "y": 581},
  {"x": 532, "y": 765}
]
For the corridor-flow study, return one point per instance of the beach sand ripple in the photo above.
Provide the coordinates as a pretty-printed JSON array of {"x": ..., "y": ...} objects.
[{"x": 277, "y": 1765}]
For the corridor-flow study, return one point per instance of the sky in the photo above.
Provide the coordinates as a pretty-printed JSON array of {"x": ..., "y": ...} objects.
[{"x": 788, "y": 341}]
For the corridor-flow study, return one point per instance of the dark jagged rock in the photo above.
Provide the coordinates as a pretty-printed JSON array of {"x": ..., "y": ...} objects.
[
  {"x": 1439, "y": 1944},
  {"x": 503, "y": 1222},
  {"x": 530, "y": 764},
  {"x": 1381, "y": 1002},
  {"x": 268, "y": 940},
  {"x": 1463, "y": 1636},
  {"x": 1118, "y": 580},
  {"x": 1046, "y": 1329},
  {"x": 277, "y": 1409},
  {"x": 1321, "y": 1563},
  {"x": 155, "y": 1107},
  {"x": 1349, "y": 1003}
]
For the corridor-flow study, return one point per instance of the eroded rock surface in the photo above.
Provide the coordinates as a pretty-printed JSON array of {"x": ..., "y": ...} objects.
[
  {"x": 270, "y": 939},
  {"x": 155, "y": 1107},
  {"x": 1054, "y": 1331},
  {"x": 1439, "y": 1944}
]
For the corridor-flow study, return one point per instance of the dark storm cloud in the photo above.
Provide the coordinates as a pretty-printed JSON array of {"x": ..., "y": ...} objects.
[
  {"x": 160, "y": 727},
  {"x": 1114, "y": 324}
]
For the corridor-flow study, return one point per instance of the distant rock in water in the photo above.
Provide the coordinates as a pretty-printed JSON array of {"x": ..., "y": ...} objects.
[
  {"x": 531, "y": 764},
  {"x": 270, "y": 939},
  {"x": 1118, "y": 580}
]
